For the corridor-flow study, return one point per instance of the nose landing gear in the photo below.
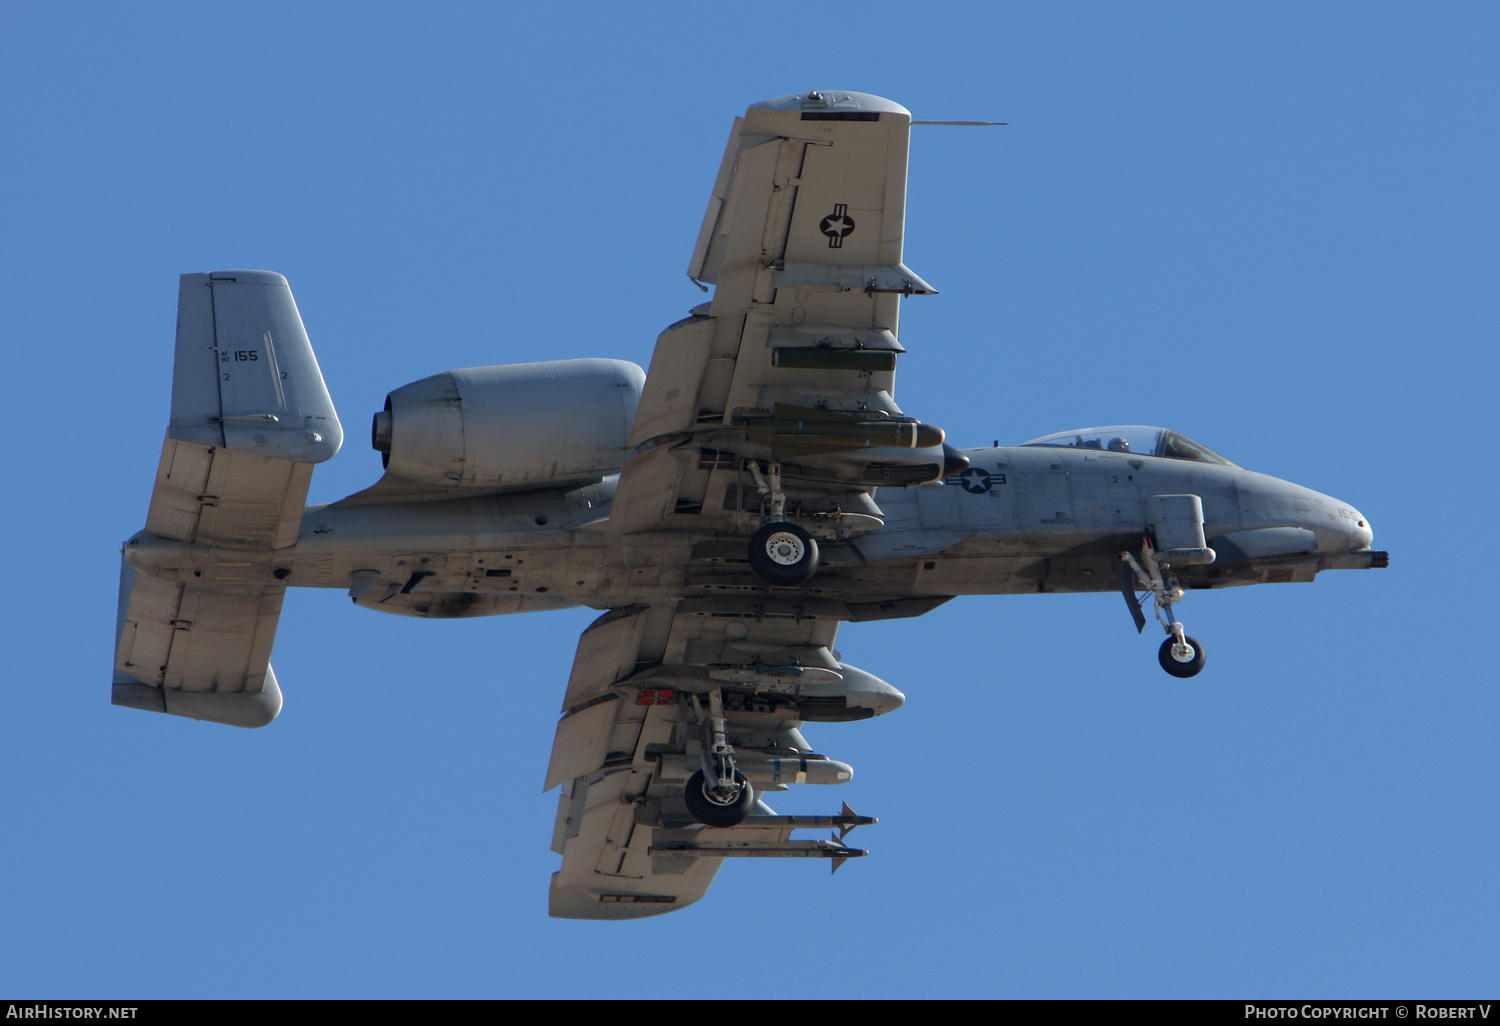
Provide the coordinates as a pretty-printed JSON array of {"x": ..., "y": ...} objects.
[{"x": 1180, "y": 655}]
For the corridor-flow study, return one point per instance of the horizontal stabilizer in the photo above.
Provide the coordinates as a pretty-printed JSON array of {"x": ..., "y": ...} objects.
[
  {"x": 197, "y": 651},
  {"x": 236, "y": 710}
]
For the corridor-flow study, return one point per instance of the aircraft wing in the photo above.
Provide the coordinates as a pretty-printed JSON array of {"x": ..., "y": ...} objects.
[
  {"x": 632, "y": 731},
  {"x": 200, "y": 591},
  {"x": 803, "y": 241}
]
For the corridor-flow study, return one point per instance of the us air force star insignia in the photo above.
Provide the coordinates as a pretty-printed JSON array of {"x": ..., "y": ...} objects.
[
  {"x": 975, "y": 480},
  {"x": 837, "y": 225}
]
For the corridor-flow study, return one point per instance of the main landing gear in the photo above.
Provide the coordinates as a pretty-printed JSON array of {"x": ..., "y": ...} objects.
[
  {"x": 714, "y": 806},
  {"x": 1180, "y": 655},
  {"x": 781, "y": 552},
  {"x": 718, "y": 795}
]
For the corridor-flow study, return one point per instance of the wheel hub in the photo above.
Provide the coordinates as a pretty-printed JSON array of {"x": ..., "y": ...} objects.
[
  {"x": 725, "y": 796},
  {"x": 784, "y": 548}
]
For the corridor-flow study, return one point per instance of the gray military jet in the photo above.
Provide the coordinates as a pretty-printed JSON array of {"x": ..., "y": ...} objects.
[{"x": 726, "y": 511}]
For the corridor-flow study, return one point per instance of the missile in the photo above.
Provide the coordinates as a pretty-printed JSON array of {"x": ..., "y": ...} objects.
[
  {"x": 844, "y": 822},
  {"x": 762, "y": 850}
]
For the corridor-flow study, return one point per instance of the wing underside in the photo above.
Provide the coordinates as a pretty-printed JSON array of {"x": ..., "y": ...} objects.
[
  {"x": 796, "y": 351},
  {"x": 773, "y": 401},
  {"x": 633, "y": 734}
]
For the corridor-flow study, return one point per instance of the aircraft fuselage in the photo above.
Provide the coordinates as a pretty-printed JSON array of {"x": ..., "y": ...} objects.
[{"x": 1019, "y": 520}]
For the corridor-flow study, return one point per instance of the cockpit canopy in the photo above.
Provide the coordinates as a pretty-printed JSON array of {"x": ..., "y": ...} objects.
[{"x": 1134, "y": 438}]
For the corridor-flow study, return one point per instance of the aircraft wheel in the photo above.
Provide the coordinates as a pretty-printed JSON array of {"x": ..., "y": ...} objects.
[
  {"x": 783, "y": 553},
  {"x": 1189, "y": 667},
  {"x": 707, "y": 808}
]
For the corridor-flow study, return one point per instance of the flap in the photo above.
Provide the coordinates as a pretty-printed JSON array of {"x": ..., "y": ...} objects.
[
  {"x": 607, "y": 653},
  {"x": 579, "y": 745}
]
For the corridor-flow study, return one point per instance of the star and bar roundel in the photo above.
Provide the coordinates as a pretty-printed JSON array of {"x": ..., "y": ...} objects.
[
  {"x": 976, "y": 480},
  {"x": 838, "y": 226}
]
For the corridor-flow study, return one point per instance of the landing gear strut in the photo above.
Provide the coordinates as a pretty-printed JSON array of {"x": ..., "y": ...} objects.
[
  {"x": 781, "y": 552},
  {"x": 1180, "y": 655},
  {"x": 718, "y": 795}
]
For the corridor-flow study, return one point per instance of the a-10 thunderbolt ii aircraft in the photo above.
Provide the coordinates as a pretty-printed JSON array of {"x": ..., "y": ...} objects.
[{"x": 726, "y": 511}]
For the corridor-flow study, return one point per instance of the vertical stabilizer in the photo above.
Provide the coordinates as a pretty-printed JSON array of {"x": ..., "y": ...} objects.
[{"x": 200, "y": 587}]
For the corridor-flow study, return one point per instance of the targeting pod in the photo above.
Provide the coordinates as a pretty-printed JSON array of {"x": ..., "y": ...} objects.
[{"x": 765, "y": 770}]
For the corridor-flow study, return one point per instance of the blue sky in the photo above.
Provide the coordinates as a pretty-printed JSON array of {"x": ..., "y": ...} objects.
[{"x": 1270, "y": 226}]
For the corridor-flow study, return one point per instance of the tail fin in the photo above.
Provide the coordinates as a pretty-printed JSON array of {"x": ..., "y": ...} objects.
[
  {"x": 245, "y": 377},
  {"x": 200, "y": 591}
]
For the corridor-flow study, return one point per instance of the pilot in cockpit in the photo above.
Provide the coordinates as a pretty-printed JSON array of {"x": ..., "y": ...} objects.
[{"x": 1135, "y": 439}]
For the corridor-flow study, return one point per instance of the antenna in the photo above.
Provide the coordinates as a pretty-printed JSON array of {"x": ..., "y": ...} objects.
[{"x": 975, "y": 123}]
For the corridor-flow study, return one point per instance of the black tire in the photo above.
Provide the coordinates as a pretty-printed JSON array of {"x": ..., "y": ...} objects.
[
  {"x": 783, "y": 553},
  {"x": 1169, "y": 662},
  {"x": 708, "y": 811}
]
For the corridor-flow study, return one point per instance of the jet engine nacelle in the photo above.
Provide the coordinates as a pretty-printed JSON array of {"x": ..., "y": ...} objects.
[{"x": 525, "y": 425}]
